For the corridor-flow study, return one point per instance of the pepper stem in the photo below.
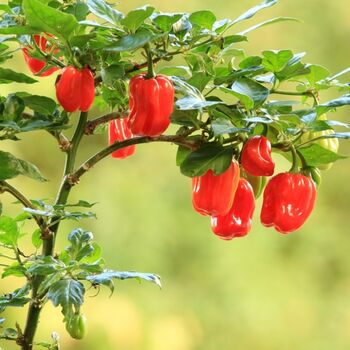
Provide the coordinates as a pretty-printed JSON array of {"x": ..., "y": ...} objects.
[
  {"x": 295, "y": 167},
  {"x": 150, "y": 73}
]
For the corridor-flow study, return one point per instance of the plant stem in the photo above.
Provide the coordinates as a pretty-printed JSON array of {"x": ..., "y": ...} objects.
[
  {"x": 4, "y": 186},
  {"x": 150, "y": 73},
  {"x": 91, "y": 125},
  {"x": 49, "y": 244},
  {"x": 291, "y": 93}
]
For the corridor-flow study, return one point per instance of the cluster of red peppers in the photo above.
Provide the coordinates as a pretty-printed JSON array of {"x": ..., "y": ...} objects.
[{"x": 230, "y": 199}]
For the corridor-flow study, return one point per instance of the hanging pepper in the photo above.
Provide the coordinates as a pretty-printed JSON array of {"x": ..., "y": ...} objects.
[
  {"x": 256, "y": 157},
  {"x": 77, "y": 326},
  {"x": 75, "y": 89},
  {"x": 288, "y": 201},
  {"x": 331, "y": 144},
  {"x": 118, "y": 130},
  {"x": 214, "y": 194},
  {"x": 238, "y": 221},
  {"x": 151, "y": 102},
  {"x": 35, "y": 64}
]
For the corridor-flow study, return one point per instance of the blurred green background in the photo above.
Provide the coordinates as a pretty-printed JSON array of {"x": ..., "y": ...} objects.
[{"x": 266, "y": 291}]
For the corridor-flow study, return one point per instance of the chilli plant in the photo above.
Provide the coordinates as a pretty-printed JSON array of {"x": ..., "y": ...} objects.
[{"x": 232, "y": 110}]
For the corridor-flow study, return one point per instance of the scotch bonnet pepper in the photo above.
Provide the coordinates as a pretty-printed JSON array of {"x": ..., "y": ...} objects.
[
  {"x": 34, "y": 64},
  {"x": 256, "y": 157},
  {"x": 214, "y": 194},
  {"x": 76, "y": 326},
  {"x": 75, "y": 89},
  {"x": 118, "y": 130},
  {"x": 151, "y": 102},
  {"x": 288, "y": 202},
  {"x": 238, "y": 221}
]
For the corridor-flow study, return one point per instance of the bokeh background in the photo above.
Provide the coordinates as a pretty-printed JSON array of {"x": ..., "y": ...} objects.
[{"x": 266, "y": 291}]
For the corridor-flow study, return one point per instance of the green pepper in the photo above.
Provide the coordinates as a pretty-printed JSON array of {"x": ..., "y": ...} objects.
[{"x": 76, "y": 326}]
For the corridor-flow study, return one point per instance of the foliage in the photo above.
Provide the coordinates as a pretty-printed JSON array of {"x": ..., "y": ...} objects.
[{"x": 223, "y": 97}]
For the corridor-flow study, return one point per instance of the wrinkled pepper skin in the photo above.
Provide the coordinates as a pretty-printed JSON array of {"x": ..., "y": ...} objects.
[
  {"x": 256, "y": 157},
  {"x": 214, "y": 194},
  {"x": 331, "y": 144},
  {"x": 238, "y": 221},
  {"x": 118, "y": 130},
  {"x": 34, "y": 64},
  {"x": 288, "y": 202},
  {"x": 75, "y": 89},
  {"x": 151, "y": 103}
]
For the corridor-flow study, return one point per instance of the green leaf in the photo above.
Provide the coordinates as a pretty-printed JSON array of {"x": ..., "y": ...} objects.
[
  {"x": 102, "y": 10},
  {"x": 275, "y": 61},
  {"x": 136, "y": 17},
  {"x": 111, "y": 73},
  {"x": 9, "y": 232},
  {"x": 222, "y": 126},
  {"x": 13, "y": 108},
  {"x": 36, "y": 239},
  {"x": 15, "y": 269},
  {"x": 316, "y": 155},
  {"x": 45, "y": 266},
  {"x": 249, "y": 62},
  {"x": 211, "y": 156},
  {"x": 8, "y": 76},
  {"x": 338, "y": 102},
  {"x": 11, "y": 167},
  {"x": 132, "y": 42},
  {"x": 105, "y": 278},
  {"x": 16, "y": 299},
  {"x": 204, "y": 19},
  {"x": 41, "y": 104},
  {"x": 48, "y": 19},
  {"x": 18, "y": 30},
  {"x": 181, "y": 154},
  {"x": 184, "y": 117},
  {"x": 67, "y": 293},
  {"x": 251, "y": 12},
  {"x": 251, "y": 93},
  {"x": 268, "y": 22},
  {"x": 191, "y": 103},
  {"x": 180, "y": 71},
  {"x": 316, "y": 74},
  {"x": 165, "y": 21}
]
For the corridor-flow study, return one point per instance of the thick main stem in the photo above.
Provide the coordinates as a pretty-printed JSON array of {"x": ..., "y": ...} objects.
[{"x": 49, "y": 244}]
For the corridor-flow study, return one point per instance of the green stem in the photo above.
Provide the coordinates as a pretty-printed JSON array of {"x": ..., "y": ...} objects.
[
  {"x": 150, "y": 73},
  {"x": 295, "y": 166},
  {"x": 290, "y": 93},
  {"x": 49, "y": 244}
]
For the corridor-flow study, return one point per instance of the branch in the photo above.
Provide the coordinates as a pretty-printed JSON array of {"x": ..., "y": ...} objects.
[
  {"x": 91, "y": 125},
  {"x": 6, "y": 187},
  {"x": 73, "y": 178}
]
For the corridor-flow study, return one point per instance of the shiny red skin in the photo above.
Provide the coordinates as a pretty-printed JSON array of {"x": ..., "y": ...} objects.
[
  {"x": 214, "y": 195},
  {"x": 75, "y": 90},
  {"x": 256, "y": 157},
  {"x": 238, "y": 221},
  {"x": 151, "y": 102},
  {"x": 118, "y": 130},
  {"x": 288, "y": 202},
  {"x": 35, "y": 65}
]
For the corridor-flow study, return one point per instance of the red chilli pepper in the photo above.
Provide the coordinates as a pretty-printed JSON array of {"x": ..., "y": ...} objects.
[
  {"x": 288, "y": 202},
  {"x": 256, "y": 157},
  {"x": 213, "y": 195},
  {"x": 75, "y": 89},
  {"x": 36, "y": 65},
  {"x": 151, "y": 103},
  {"x": 238, "y": 221},
  {"x": 118, "y": 130}
]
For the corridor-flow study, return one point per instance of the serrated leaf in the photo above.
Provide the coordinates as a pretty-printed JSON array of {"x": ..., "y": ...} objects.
[
  {"x": 211, "y": 156},
  {"x": 102, "y": 10},
  {"x": 66, "y": 293},
  {"x": 48, "y": 19},
  {"x": 135, "y": 18},
  {"x": 8, "y": 76}
]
